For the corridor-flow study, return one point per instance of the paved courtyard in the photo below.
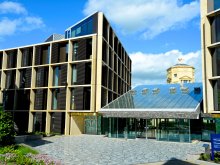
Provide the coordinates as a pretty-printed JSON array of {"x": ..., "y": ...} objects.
[{"x": 93, "y": 149}]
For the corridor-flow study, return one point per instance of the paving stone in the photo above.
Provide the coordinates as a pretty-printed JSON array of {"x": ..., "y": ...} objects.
[{"x": 98, "y": 150}]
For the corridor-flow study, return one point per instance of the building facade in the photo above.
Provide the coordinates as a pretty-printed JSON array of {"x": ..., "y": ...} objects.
[
  {"x": 180, "y": 73},
  {"x": 60, "y": 85},
  {"x": 210, "y": 29}
]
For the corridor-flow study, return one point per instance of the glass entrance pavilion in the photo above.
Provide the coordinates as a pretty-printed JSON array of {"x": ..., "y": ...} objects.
[{"x": 169, "y": 112}]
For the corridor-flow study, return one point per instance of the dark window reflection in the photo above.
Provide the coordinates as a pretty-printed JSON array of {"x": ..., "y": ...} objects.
[{"x": 216, "y": 94}]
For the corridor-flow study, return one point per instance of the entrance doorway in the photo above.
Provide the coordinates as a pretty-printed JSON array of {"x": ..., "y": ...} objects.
[
  {"x": 146, "y": 128},
  {"x": 151, "y": 128},
  {"x": 141, "y": 128}
]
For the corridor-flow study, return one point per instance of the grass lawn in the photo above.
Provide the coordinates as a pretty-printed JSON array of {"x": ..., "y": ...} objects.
[
  {"x": 17, "y": 148},
  {"x": 24, "y": 155}
]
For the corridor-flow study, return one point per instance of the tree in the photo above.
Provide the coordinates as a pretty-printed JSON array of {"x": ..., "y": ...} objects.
[{"x": 7, "y": 132}]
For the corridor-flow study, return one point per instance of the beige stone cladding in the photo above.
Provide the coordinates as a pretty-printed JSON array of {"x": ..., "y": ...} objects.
[
  {"x": 180, "y": 73},
  {"x": 59, "y": 86},
  {"x": 210, "y": 44}
]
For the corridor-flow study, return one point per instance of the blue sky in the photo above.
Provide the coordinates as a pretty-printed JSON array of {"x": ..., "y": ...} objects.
[{"x": 155, "y": 33}]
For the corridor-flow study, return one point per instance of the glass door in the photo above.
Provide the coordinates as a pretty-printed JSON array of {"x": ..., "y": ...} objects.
[
  {"x": 141, "y": 128},
  {"x": 151, "y": 128}
]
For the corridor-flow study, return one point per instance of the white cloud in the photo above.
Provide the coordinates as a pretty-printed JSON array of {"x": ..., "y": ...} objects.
[
  {"x": 151, "y": 18},
  {"x": 12, "y": 7},
  {"x": 20, "y": 21},
  {"x": 7, "y": 27},
  {"x": 151, "y": 68},
  {"x": 32, "y": 23}
]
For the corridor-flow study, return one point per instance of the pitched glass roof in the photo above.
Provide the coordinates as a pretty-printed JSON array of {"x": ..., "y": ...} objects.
[
  {"x": 165, "y": 96},
  {"x": 181, "y": 101}
]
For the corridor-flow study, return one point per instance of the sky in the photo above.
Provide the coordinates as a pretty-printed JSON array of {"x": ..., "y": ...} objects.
[{"x": 154, "y": 33}]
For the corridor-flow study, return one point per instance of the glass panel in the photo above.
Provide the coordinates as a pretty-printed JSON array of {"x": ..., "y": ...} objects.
[
  {"x": 74, "y": 74},
  {"x": 213, "y": 5},
  {"x": 216, "y": 62},
  {"x": 161, "y": 100},
  {"x": 72, "y": 100},
  {"x": 208, "y": 128},
  {"x": 215, "y": 25},
  {"x": 151, "y": 128},
  {"x": 177, "y": 130},
  {"x": 131, "y": 128},
  {"x": 56, "y": 76},
  {"x": 105, "y": 126},
  {"x": 141, "y": 128},
  {"x": 122, "y": 128},
  {"x": 216, "y": 94},
  {"x": 90, "y": 125},
  {"x": 113, "y": 127},
  {"x": 75, "y": 51},
  {"x": 67, "y": 51},
  {"x": 55, "y": 99},
  {"x": 45, "y": 55},
  {"x": 83, "y": 28},
  {"x": 184, "y": 130},
  {"x": 78, "y": 30},
  {"x": 48, "y": 55},
  {"x": 73, "y": 33}
]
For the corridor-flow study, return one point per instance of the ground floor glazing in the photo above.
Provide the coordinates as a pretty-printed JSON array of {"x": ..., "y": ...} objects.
[{"x": 176, "y": 130}]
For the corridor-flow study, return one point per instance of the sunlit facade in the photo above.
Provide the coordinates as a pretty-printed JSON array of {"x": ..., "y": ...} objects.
[
  {"x": 59, "y": 86},
  {"x": 181, "y": 73},
  {"x": 210, "y": 30}
]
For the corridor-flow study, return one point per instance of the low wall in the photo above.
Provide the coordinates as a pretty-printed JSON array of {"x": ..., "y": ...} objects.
[{"x": 25, "y": 138}]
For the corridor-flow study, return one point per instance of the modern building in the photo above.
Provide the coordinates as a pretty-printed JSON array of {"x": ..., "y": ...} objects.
[
  {"x": 180, "y": 73},
  {"x": 210, "y": 29},
  {"x": 61, "y": 84},
  {"x": 169, "y": 112}
]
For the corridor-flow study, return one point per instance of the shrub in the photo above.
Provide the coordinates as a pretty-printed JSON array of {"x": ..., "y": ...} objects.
[
  {"x": 217, "y": 157},
  {"x": 7, "y": 132},
  {"x": 204, "y": 156}
]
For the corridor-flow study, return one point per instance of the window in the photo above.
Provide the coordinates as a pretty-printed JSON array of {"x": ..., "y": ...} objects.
[
  {"x": 83, "y": 28},
  {"x": 48, "y": 55},
  {"x": 78, "y": 30},
  {"x": 22, "y": 78},
  {"x": 74, "y": 74},
  {"x": 56, "y": 76},
  {"x": 185, "y": 81},
  {"x": 75, "y": 51},
  {"x": 73, "y": 33},
  {"x": 55, "y": 96},
  {"x": 38, "y": 76},
  {"x": 45, "y": 55},
  {"x": 216, "y": 62},
  {"x": 72, "y": 99},
  {"x": 175, "y": 75},
  {"x": 215, "y": 25},
  {"x": 67, "y": 50}
]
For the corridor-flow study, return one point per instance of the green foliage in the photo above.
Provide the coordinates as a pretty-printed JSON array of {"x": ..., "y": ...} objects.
[
  {"x": 217, "y": 157},
  {"x": 20, "y": 149},
  {"x": 20, "y": 159},
  {"x": 25, "y": 150},
  {"x": 7, "y": 132},
  {"x": 204, "y": 156},
  {"x": 16, "y": 154},
  {"x": 37, "y": 133},
  {"x": 7, "y": 149}
]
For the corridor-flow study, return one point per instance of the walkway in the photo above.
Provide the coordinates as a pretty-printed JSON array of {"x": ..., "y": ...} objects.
[{"x": 94, "y": 149}]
